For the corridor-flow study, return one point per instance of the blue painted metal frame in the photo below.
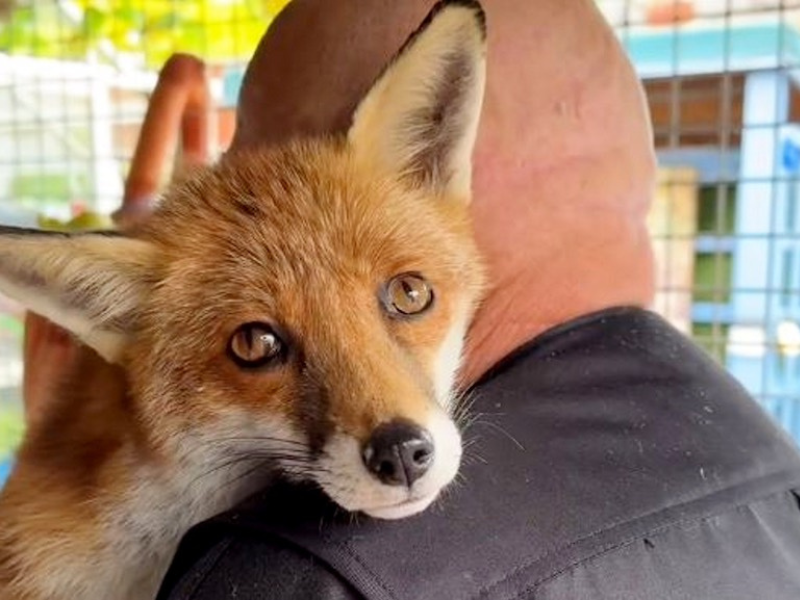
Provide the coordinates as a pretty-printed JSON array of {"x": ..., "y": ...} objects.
[
  {"x": 715, "y": 47},
  {"x": 765, "y": 169},
  {"x": 5, "y": 470}
]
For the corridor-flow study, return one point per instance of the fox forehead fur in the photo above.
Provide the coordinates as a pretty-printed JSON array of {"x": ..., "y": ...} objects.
[
  {"x": 163, "y": 426},
  {"x": 303, "y": 237}
]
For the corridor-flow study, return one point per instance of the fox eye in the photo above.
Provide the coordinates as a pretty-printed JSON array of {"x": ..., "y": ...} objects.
[
  {"x": 407, "y": 294},
  {"x": 255, "y": 345}
]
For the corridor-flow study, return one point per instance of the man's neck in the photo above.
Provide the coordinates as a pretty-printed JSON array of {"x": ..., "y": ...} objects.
[{"x": 588, "y": 268}]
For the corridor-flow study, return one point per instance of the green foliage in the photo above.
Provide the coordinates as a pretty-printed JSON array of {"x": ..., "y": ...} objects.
[
  {"x": 50, "y": 187},
  {"x": 713, "y": 339},
  {"x": 10, "y": 325},
  {"x": 713, "y": 274},
  {"x": 717, "y": 211},
  {"x": 215, "y": 30}
]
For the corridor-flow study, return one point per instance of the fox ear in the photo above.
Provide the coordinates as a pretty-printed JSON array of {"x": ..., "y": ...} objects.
[
  {"x": 91, "y": 284},
  {"x": 421, "y": 116}
]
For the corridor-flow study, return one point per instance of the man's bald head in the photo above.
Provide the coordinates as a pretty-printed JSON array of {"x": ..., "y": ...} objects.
[
  {"x": 546, "y": 57},
  {"x": 316, "y": 62},
  {"x": 564, "y": 164}
]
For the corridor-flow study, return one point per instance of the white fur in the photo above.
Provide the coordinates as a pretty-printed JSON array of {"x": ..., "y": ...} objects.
[
  {"x": 448, "y": 359},
  {"x": 347, "y": 481},
  {"x": 142, "y": 533},
  {"x": 107, "y": 344},
  {"x": 106, "y": 272},
  {"x": 381, "y": 133}
]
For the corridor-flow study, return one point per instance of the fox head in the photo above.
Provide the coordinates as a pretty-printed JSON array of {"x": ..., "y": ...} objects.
[{"x": 304, "y": 305}]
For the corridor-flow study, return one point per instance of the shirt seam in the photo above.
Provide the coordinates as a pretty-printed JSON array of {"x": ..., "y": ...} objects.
[
  {"x": 355, "y": 556},
  {"x": 222, "y": 548}
]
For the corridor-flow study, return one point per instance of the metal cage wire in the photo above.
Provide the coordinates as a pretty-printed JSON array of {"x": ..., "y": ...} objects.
[{"x": 722, "y": 82}]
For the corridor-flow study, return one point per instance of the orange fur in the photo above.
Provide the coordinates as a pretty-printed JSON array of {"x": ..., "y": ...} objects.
[
  {"x": 298, "y": 235},
  {"x": 306, "y": 219},
  {"x": 302, "y": 237}
]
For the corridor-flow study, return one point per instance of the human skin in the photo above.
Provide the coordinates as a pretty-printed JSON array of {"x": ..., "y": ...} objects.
[
  {"x": 47, "y": 351},
  {"x": 564, "y": 166}
]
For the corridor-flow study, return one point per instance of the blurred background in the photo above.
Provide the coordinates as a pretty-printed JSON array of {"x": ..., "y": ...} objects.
[{"x": 722, "y": 79}]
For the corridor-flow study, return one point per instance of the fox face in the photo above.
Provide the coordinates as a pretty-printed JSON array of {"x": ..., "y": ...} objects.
[{"x": 302, "y": 307}]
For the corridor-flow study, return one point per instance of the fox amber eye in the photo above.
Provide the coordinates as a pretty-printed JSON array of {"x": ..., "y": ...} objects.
[
  {"x": 255, "y": 345},
  {"x": 407, "y": 294}
]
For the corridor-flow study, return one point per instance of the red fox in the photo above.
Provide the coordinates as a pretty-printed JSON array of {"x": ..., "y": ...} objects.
[{"x": 292, "y": 311}]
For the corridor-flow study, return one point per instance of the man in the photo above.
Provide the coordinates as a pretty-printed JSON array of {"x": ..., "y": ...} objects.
[{"x": 613, "y": 458}]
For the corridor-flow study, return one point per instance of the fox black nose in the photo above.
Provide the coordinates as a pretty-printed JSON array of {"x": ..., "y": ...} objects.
[{"x": 399, "y": 453}]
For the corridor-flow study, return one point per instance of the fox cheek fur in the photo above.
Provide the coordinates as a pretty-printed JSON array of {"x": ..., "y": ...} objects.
[{"x": 297, "y": 310}]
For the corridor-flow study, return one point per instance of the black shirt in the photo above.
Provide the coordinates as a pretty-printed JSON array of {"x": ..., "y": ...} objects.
[{"x": 612, "y": 459}]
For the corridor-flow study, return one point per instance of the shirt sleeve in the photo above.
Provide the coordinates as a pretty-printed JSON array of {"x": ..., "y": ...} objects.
[{"x": 255, "y": 569}]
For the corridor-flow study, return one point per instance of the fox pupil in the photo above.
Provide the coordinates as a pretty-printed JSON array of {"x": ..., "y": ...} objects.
[
  {"x": 254, "y": 345},
  {"x": 408, "y": 295}
]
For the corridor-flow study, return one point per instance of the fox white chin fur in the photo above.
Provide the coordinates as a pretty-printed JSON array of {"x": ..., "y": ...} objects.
[{"x": 296, "y": 311}]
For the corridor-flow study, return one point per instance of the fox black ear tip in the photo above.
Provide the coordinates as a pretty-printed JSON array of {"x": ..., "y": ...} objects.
[{"x": 473, "y": 5}]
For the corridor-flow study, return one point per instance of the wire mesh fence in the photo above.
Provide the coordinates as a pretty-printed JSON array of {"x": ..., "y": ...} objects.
[{"x": 722, "y": 79}]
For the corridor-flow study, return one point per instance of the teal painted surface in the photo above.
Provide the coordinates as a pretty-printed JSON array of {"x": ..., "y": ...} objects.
[
  {"x": 765, "y": 246},
  {"x": 695, "y": 50},
  {"x": 231, "y": 84},
  {"x": 5, "y": 470}
]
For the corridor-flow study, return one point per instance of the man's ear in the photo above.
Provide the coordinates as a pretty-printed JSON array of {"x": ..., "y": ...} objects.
[
  {"x": 91, "y": 284},
  {"x": 420, "y": 118}
]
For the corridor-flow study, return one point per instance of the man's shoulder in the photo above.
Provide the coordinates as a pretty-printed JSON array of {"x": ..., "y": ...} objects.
[
  {"x": 587, "y": 441},
  {"x": 236, "y": 564}
]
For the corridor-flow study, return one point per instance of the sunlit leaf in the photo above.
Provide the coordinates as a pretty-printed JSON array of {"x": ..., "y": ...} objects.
[{"x": 215, "y": 30}]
